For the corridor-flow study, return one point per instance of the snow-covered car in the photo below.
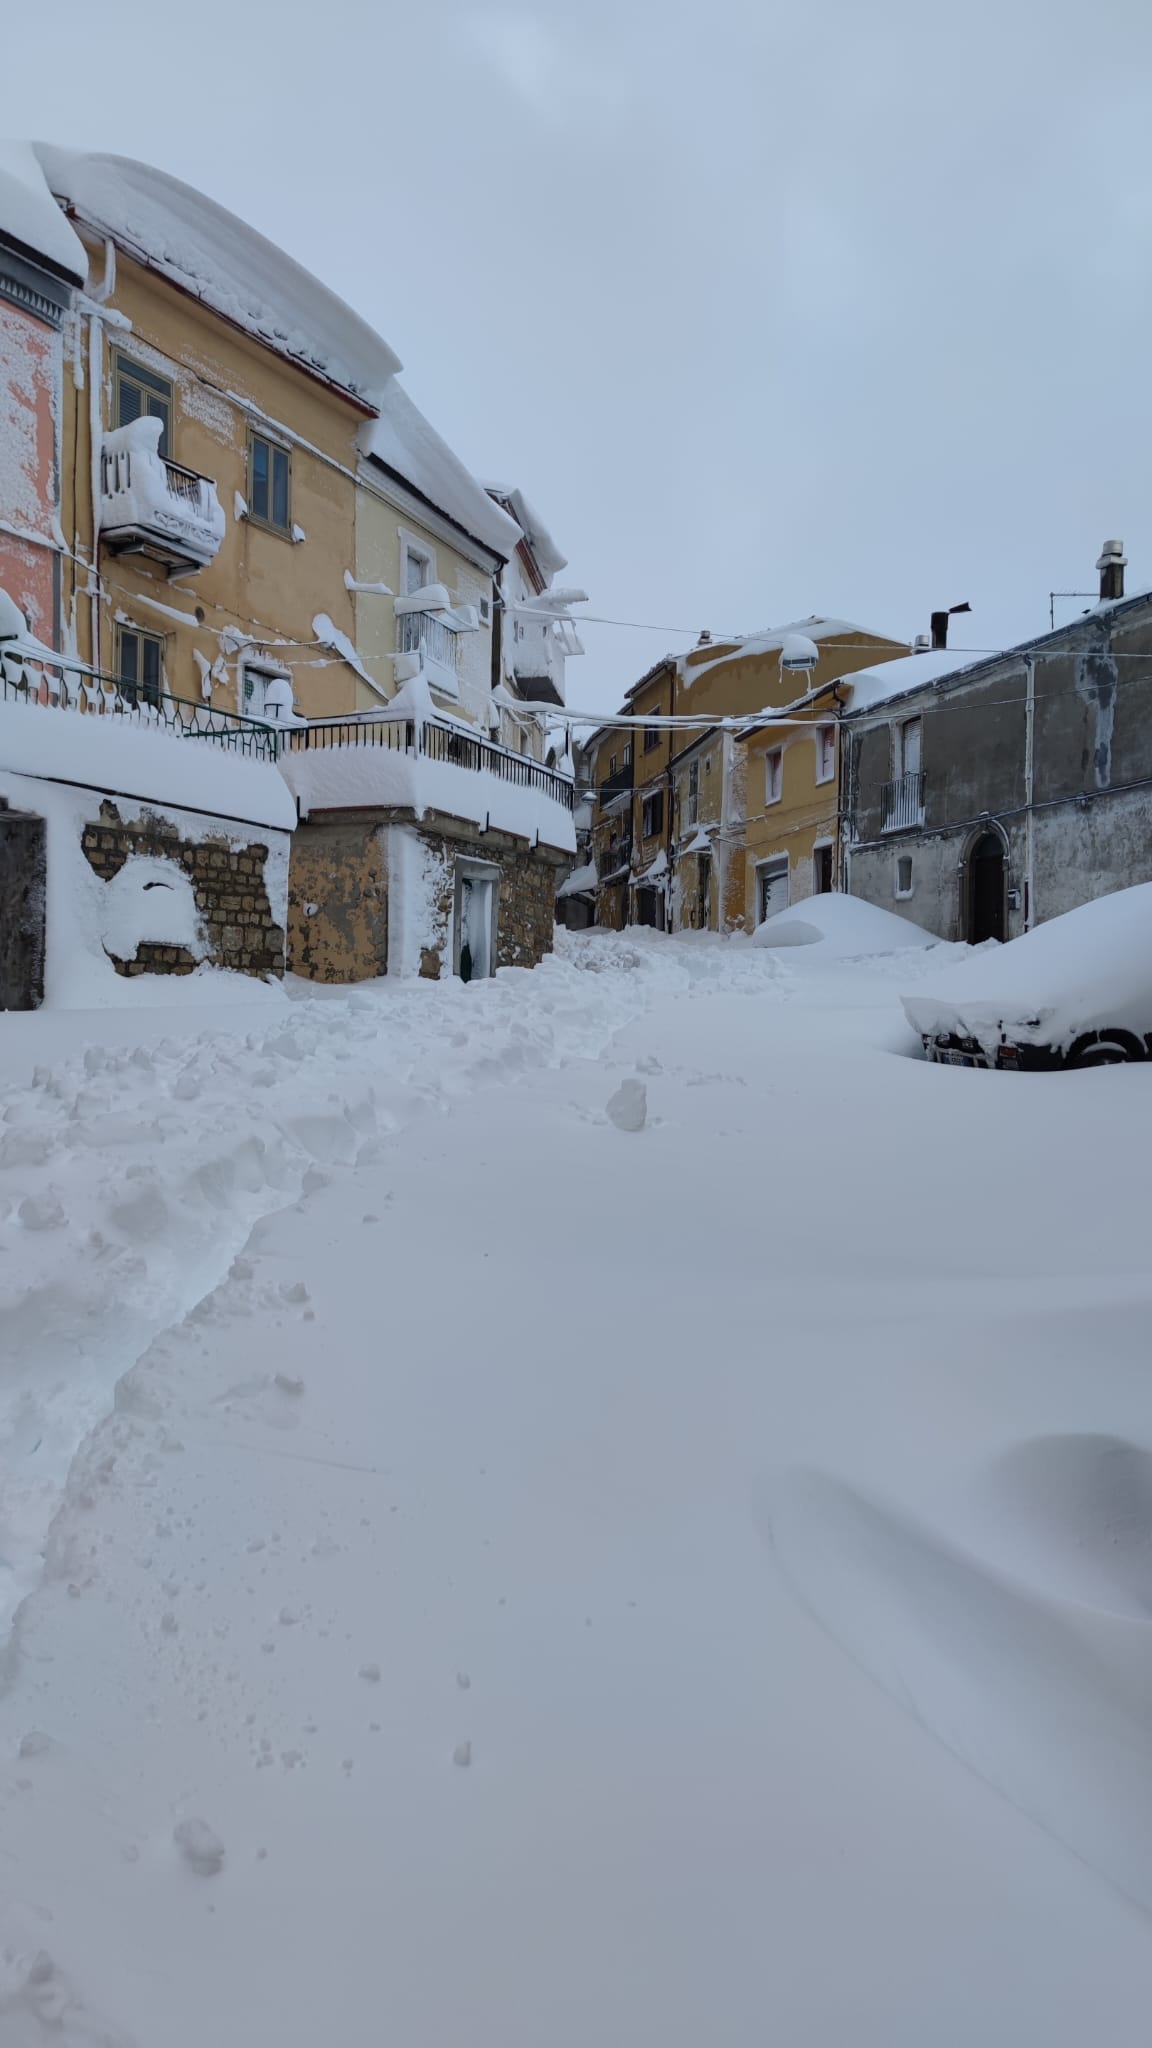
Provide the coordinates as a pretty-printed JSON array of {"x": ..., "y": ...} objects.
[{"x": 1076, "y": 992}]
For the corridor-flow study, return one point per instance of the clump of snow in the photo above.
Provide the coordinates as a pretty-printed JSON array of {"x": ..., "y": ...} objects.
[
  {"x": 150, "y": 899},
  {"x": 844, "y": 927},
  {"x": 1086, "y": 971},
  {"x": 13, "y": 623},
  {"x": 200, "y": 1846},
  {"x": 29, "y": 214},
  {"x": 331, "y": 635},
  {"x": 364, "y": 777},
  {"x": 579, "y": 881},
  {"x": 628, "y": 1107},
  {"x": 137, "y": 493}
]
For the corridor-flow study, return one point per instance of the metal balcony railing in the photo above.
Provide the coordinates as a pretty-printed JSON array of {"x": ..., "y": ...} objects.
[
  {"x": 902, "y": 803},
  {"x": 435, "y": 742},
  {"x": 615, "y": 785},
  {"x": 423, "y": 629},
  {"x": 614, "y": 859},
  {"x": 27, "y": 679}
]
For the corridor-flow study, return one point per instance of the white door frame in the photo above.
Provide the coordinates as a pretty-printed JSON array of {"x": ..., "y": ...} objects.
[{"x": 467, "y": 869}]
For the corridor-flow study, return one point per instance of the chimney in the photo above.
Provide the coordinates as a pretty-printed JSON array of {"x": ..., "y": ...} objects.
[
  {"x": 1112, "y": 564},
  {"x": 940, "y": 624}
]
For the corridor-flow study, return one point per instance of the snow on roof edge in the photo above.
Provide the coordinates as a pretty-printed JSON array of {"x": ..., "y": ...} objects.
[
  {"x": 30, "y": 216},
  {"x": 221, "y": 260}
]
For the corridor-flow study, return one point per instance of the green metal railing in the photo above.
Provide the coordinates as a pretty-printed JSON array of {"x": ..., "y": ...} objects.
[{"x": 29, "y": 679}]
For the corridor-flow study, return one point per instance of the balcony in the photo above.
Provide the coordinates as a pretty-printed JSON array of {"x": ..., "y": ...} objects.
[
  {"x": 614, "y": 787},
  {"x": 902, "y": 804},
  {"x": 70, "y": 687},
  {"x": 614, "y": 861},
  {"x": 150, "y": 506},
  {"x": 416, "y": 631},
  {"x": 428, "y": 740}
]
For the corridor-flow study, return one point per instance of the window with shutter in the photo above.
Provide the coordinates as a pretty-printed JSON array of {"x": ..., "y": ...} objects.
[
  {"x": 139, "y": 665},
  {"x": 141, "y": 395}
]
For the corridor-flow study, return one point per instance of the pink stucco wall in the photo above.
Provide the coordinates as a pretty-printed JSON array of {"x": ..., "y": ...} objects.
[{"x": 29, "y": 384}]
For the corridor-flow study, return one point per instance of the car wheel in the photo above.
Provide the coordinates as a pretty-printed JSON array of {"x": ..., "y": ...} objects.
[{"x": 1105, "y": 1049}]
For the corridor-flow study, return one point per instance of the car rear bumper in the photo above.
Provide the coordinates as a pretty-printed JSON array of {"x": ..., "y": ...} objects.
[{"x": 951, "y": 1051}]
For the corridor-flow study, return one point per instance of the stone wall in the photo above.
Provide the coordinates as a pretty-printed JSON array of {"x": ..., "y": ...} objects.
[
  {"x": 228, "y": 881},
  {"x": 343, "y": 927}
]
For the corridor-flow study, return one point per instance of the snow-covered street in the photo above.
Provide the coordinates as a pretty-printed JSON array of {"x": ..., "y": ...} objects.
[{"x": 479, "y": 1576}]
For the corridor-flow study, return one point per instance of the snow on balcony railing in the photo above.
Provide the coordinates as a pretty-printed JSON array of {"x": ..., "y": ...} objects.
[
  {"x": 416, "y": 630},
  {"x": 32, "y": 678},
  {"x": 153, "y": 506},
  {"x": 423, "y": 765}
]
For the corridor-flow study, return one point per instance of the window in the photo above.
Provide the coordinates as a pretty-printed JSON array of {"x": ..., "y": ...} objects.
[
  {"x": 821, "y": 870},
  {"x": 907, "y": 748},
  {"x": 692, "y": 798},
  {"x": 628, "y": 754},
  {"x": 653, "y": 814},
  {"x": 651, "y": 737},
  {"x": 269, "y": 494},
  {"x": 825, "y": 752},
  {"x": 774, "y": 775},
  {"x": 904, "y": 875},
  {"x": 142, "y": 395},
  {"x": 612, "y": 764},
  {"x": 773, "y": 885},
  {"x": 418, "y": 572},
  {"x": 139, "y": 665}
]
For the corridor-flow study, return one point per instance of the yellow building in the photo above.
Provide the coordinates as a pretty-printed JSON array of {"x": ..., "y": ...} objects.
[
  {"x": 706, "y": 840},
  {"x": 259, "y": 524}
]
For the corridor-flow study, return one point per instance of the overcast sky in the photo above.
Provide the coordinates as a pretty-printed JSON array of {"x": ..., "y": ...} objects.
[{"x": 843, "y": 306}]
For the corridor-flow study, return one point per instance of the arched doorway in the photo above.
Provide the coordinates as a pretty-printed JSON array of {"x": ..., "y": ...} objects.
[{"x": 986, "y": 895}]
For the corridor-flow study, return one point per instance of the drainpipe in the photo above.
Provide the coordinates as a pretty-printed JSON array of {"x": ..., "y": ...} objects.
[
  {"x": 97, "y": 297},
  {"x": 1029, "y": 782}
]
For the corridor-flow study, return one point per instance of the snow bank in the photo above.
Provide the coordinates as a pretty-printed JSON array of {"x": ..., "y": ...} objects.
[
  {"x": 29, "y": 214},
  {"x": 1085, "y": 971},
  {"x": 844, "y": 927},
  {"x": 370, "y": 778},
  {"x": 214, "y": 256},
  {"x": 124, "y": 756}
]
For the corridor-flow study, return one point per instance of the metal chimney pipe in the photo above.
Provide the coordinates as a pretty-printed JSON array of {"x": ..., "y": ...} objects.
[{"x": 1112, "y": 564}]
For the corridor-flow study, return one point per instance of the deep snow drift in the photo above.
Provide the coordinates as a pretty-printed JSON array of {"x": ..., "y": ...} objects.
[{"x": 478, "y": 1396}]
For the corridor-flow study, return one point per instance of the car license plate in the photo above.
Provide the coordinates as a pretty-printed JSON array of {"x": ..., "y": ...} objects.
[{"x": 958, "y": 1059}]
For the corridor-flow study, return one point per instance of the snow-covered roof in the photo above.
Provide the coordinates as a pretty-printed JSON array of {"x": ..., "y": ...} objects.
[
  {"x": 29, "y": 214},
  {"x": 402, "y": 439},
  {"x": 223, "y": 262},
  {"x": 771, "y": 640},
  {"x": 581, "y": 882},
  {"x": 871, "y": 686},
  {"x": 547, "y": 554}
]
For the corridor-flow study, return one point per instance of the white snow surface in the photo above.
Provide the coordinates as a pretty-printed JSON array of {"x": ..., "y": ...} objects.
[
  {"x": 873, "y": 686},
  {"x": 373, "y": 777},
  {"x": 753, "y": 1648},
  {"x": 218, "y": 258},
  {"x": 579, "y": 881},
  {"x": 843, "y": 927},
  {"x": 1087, "y": 970},
  {"x": 129, "y": 758},
  {"x": 30, "y": 215}
]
